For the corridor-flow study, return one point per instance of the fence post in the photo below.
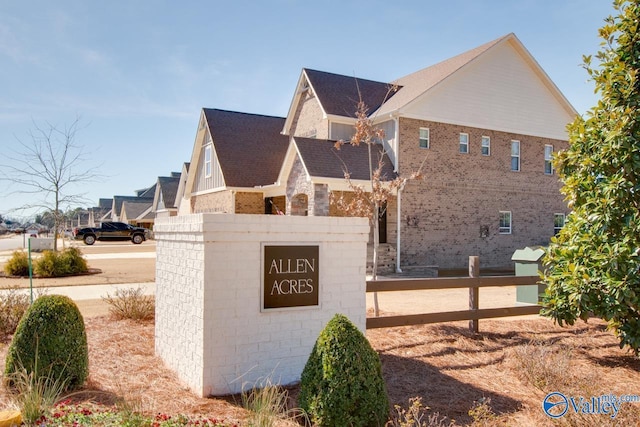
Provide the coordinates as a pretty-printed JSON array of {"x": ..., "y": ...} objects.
[{"x": 474, "y": 271}]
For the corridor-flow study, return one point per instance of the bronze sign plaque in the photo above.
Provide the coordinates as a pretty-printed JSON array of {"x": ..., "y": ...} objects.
[{"x": 290, "y": 276}]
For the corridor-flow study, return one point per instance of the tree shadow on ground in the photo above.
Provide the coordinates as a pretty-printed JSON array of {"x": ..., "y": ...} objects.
[{"x": 408, "y": 377}]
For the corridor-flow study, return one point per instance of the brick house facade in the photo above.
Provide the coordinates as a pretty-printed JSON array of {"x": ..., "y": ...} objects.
[{"x": 481, "y": 127}]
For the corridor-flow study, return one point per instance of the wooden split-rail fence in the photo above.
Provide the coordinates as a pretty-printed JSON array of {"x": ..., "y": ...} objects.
[{"x": 474, "y": 282}]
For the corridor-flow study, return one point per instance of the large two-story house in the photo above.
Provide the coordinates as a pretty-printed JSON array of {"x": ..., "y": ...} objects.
[{"x": 482, "y": 127}]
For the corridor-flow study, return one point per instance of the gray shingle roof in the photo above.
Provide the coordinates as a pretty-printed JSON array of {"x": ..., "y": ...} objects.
[
  {"x": 250, "y": 147},
  {"x": 339, "y": 95},
  {"x": 322, "y": 159},
  {"x": 134, "y": 209},
  {"x": 169, "y": 188},
  {"x": 118, "y": 200}
]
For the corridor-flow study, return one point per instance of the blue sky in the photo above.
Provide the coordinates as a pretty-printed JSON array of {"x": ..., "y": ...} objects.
[{"x": 138, "y": 72}]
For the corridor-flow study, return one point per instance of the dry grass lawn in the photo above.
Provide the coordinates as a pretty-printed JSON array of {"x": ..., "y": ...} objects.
[{"x": 511, "y": 365}]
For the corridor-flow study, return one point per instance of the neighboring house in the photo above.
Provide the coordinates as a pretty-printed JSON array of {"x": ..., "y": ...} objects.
[
  {"x": 482, "y": 127},
  {"x": 138, "y": 213},
  {"x": 183, "y": 208},
  {"x": 100, "y": 213},
  {"x": 164, "y": 201},
  {"x": 116, "y": 209}
]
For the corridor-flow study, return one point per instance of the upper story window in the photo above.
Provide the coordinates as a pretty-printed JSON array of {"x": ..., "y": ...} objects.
[
  {"x": 505, "y": 222},
  {"x": 464, "y": 143},
  {"x": 558, "y": 222},
  {"x": 548, "y": 154},
  {"x": 424, "y": 138},
  {"x": 515, "y": 156},
  {"x": 207, "y": 161},
  {"x": 486, "y": 146}
]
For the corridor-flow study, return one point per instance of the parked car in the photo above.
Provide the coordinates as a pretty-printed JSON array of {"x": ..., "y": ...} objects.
[{"x": 110, "y": 231}]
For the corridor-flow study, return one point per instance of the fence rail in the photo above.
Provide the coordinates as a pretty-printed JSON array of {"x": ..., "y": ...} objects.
[{"x": 474, "y": 282}]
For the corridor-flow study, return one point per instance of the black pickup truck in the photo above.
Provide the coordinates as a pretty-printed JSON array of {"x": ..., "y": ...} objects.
[{"x": 109, "y": 231}]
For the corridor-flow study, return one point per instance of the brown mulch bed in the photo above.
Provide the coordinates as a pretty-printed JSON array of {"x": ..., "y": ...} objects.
[{"x": 444, "y": 364}]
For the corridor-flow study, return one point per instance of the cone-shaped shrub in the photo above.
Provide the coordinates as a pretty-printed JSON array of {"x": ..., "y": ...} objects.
[
  {"x": 342, "y": 382},
  {"x": 51, "y": 342}
]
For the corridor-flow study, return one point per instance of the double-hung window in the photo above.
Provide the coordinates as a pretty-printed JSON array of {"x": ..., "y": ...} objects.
[
  {"x": 515, "y": 156},
  {"x": 486, "y": 146},
  {"x": 424, "y": 138},
  {"x": 207, "y": 160},
  {"x": 505, "y": 222},
  {"x": 548, "y": 153},
  {"x": 464, "y": 143},
  {"x": 558, "y": 222}
]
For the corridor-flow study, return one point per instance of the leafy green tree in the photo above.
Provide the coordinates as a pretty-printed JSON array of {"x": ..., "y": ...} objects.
[{"x": 593, "y": 264}]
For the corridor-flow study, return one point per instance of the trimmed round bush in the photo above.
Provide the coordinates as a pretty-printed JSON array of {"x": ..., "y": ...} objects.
[
  {"x": 18, "y": 264},
  {"x": 342, "y": 382},
  {"x": 51, "y": 342}
]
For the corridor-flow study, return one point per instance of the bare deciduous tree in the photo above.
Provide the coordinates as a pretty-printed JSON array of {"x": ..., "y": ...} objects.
[{"x": 50, "y": 167}]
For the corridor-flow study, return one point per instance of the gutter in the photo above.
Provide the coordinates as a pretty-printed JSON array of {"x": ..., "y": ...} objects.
[{"x": 396, "y": 144}]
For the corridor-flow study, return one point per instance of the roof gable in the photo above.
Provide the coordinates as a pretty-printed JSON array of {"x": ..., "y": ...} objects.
[
  {"x": 498, "y": 86},
  {"x": 166, "y": 191},
  {"x": 249, "y": 147},
  {"x": 135, "y": 209},
  {"x": 339, "y": 95}
]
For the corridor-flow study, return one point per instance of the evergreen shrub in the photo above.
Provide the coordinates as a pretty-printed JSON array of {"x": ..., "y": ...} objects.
[
  {"x": 342, "y": 382},
  {"x": 51, "y": 342}
]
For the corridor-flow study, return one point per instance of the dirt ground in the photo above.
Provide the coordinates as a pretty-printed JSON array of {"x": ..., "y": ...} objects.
[{"x": 509, "y": 366}]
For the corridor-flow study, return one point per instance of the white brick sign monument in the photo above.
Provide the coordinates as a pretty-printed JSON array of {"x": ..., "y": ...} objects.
[{"x": 241, "y": 299}]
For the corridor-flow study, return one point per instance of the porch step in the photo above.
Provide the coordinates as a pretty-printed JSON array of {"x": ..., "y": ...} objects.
[{"x": 386, "y": 258}]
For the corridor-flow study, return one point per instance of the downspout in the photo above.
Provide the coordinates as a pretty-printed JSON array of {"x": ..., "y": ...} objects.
[
  {"x": 399, "y": 221},
  {"x": 396, "y": 144}
]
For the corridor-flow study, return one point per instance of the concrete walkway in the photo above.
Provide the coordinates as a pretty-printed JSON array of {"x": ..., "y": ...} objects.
[{"x": 87, "y": 292}]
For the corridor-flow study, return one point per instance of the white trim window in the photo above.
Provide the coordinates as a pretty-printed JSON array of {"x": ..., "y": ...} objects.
[
  {"x": 558, "y": 222},
  {"x": 486, "y": 146},
  {"x": 548, "y": 155},
  {"x": 207, "y": 161},
  {"x": 504, "y": 226},
  {"x": 515, "y": 156},
  {"x": 464, "y": 143},
  {"x": 424, "y": 137}
]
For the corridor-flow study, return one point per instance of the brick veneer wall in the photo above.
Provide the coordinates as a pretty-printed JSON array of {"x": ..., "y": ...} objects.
[
  {"x": 221, "y": 201},
  {"x": 308, "y": 121},
  {"x": 317, "y": 194},
  {"x": 442, "y": 216},
  {"x": 249, "y": 203},
  {"x": 209, "y": 326}
]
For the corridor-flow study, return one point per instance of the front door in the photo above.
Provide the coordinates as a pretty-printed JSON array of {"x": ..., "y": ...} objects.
[{"x": 382, "y": 223}]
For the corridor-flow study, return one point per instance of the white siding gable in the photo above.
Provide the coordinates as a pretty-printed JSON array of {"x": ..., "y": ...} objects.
[
  {"x": 215, "y": 180},
  {"x": 502, "y": 89}
]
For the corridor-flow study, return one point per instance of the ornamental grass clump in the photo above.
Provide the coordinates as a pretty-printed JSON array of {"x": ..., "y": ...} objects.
[
  {"x": 17, "y": 265},
  {"x": 342, "y": 382},
  {"x": 13, "y": 305},
  {"x": 57, "y": 264},
  {"x": 131, "y": 303},
  {"x": 51, "y": 343}
]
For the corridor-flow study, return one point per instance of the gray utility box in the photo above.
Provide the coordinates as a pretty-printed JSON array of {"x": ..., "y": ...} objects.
[{"x": 528, "y": 264}]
